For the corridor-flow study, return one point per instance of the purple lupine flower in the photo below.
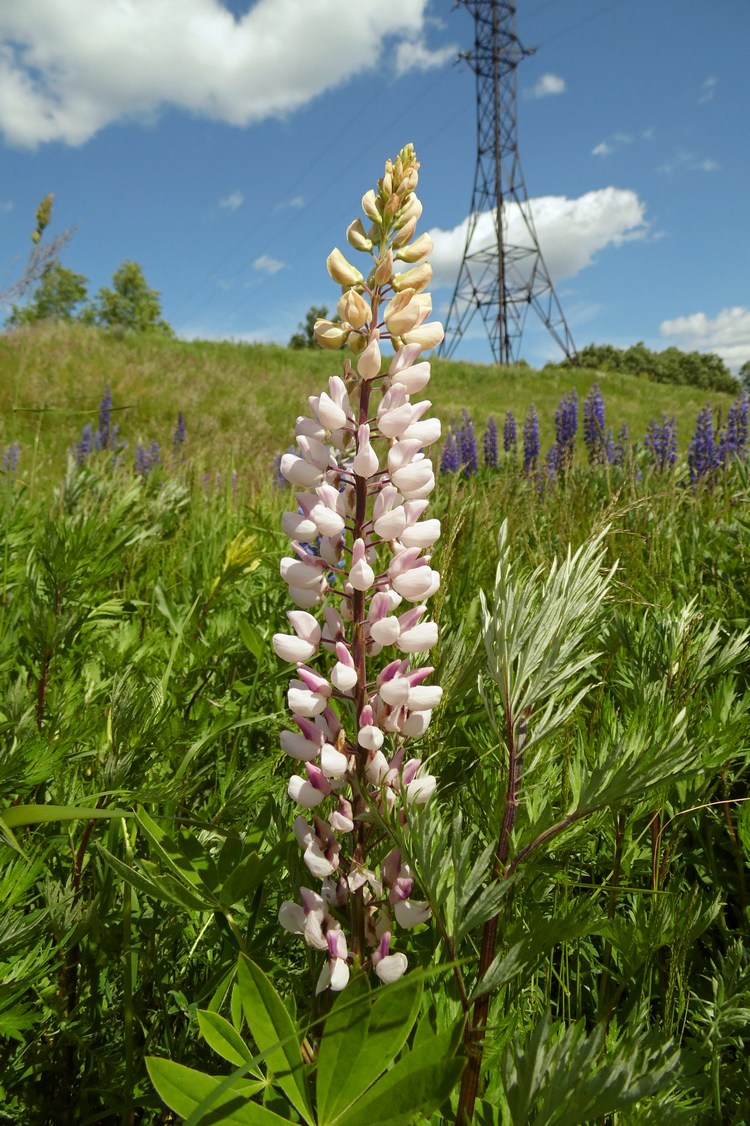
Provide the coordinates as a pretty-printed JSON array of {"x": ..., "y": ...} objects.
[
  {"x": 10, "y": 458},
  {"x": 510, "y": 434},
  {"x": 703, "y": 453},
  {"x": 553, "y": 463},
  {"x": 621, "y": 447},
  {"x": 566, "y": 425},
  {"x": 661, "y": 443},
  {"x": 179, "y": 435},
  {"x": 490, "y": 444},
  {"x": 530, "y": 440},
  {"x": 467, "y": 445},
  {"x": 146, "y": 457},
  {"x": 733, "y": 435},
  {"x": 597, "y": 439},
  {"x": 85, "y": 444},
  {"x": 449, "y": 459},
  {"x": 102, "y": 435}
]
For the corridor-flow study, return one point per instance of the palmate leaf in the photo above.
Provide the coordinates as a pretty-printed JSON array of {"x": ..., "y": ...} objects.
[
  {"x": 184, "y": 1089},
  {"x": 534, "y": 635},
  {"x": 274, "y": 1034},
  {"x": 559, "y": 1077}
]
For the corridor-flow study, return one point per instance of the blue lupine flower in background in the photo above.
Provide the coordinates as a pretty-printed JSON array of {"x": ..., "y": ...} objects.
[
  {"x": 10, "y": 458},
  {"x": 661, "y": 443},
  {"x": 490, "y": 444},
  {"x": 530, "y": 440},
  {"x": 553, "y": 463},
  {"x": 102, "y": 435},
  {"x": 510, "y": 434},
  {"x": 146, "y": 458},
  {"x": 621, "y": 448},
  {"x": 733, "y": 435},
  {"x": 467, "y": 445},
  {"x": 596, "y": 436},
  {"x": 85, "y": 444},
  {"x": 180, "y": 433},
  {"x": 566, "y": 425},
  {"x": 703, "y": 453},
  {"x": 449, "y": 458}
]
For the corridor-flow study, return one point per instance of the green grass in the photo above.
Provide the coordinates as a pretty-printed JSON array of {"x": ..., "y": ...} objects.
[{"x": 240, "y": 400}]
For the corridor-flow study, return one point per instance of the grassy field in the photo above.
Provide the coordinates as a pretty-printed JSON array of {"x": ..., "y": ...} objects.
[
  {"x": 239, "y": 400},
  {"x": 589, "y": 826}
]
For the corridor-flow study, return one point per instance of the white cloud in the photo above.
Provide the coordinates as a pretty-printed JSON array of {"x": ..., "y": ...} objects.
[
  {"x": 727, "y": 334},
  {"x": 414, "y": 54},
  {"x": 602, "y": 149},
  {"x": 68, "y": 68},
  {"x": 232, "y": 201},
  {"x": 570, "y": 232},
  {"x": 268, "y": 265},
  {"x": 547, "y": 85},
  {"x": 709, "y": 165},
  {"x": 298, "y": 201},
  {"x": 707, "y": 90}
]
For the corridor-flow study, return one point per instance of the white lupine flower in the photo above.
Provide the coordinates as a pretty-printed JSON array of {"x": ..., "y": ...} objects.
[
  {"x": 362, "y": 517},
  {"x": 421, "y": 535},
  {"x": 365, "y": 462},
  {"x": 330, "y": 414},
  {"x": 300, "y": 472}
]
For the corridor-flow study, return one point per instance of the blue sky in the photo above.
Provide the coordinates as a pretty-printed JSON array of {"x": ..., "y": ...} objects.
[{"x": 225, "y": 147}]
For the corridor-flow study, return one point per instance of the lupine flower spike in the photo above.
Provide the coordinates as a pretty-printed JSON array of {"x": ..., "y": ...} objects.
[{"x": 359, "y": 575}]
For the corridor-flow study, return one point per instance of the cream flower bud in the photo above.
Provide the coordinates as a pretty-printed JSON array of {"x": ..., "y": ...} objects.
[
  {"x": 416, "y": 250},
  {"x": 416, "y": 278},
  {"x": 414, "y": 378},
  {"x": 419, "y": 639},
  {"x": 353, "y": 308},
  {"x": 307, "y": 596},
  {"x": 330, "y": 335},
  {"x": 405, "y": 233},
  {"x": 424, "y": 534},
  {"x": 298, "y": 526},
  {"x": 412, "y": 209},
  {"x": 424, "y": 697},
  {"x": 300, "y": 472},
  {"x": 340, "y": 270},
  {"x": 426, "y": 432},
  {"x": 330, "y": 414},
  {"x": 393, "y": 423},
  {"x": 382, "y": 273},
  {"x": 426, "y": 336},
  {"x": 356, "y": 237},
  {"x": 370, "y": 206},
  {"x": 386, "y": 631},
  {"x": 368, "y": 364}
]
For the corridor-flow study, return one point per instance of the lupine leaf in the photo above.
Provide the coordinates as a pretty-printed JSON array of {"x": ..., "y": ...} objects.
[
  {"x": 273, "y": 1032},
  {"x": 419, "y": 1082},
  {"x": 343, "y": 1073},
  {"x": 220, "y": 1035},
  {"x": 183, "y": 1089}
]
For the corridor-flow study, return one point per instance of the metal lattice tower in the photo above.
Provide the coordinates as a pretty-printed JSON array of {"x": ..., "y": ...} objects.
[{"x": 503, "y": 279}]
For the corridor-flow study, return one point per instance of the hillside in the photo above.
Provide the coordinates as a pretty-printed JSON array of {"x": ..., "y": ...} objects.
[{"x": 239, "y": 400}]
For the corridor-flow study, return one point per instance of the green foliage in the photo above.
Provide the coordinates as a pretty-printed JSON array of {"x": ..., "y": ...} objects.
[
  {"x": 57, "y": 296},
  {"x": 744, "y": 375},
  {"x": 131, "y": 305},
  {"x": 697, "y": 369}
]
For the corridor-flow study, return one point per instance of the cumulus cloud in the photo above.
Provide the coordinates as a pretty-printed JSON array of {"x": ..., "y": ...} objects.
[
  {"x": 68, "y": 68},
  {"x": 416, "y": 55},
  {"x": 602, "y": 149},
  {"x": 546, "y": 86},
  {"x": 727, "y": 334},
  {"x": 570, "y": 232},
  {"x": 232, "y": 201},
  {"x": 268, "y": 265}
]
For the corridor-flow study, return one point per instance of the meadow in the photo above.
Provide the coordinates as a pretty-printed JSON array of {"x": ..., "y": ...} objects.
[{"x": 546, "y": 911}]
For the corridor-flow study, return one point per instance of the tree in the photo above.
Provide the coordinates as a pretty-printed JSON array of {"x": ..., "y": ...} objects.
[
  {"x": 744, "y": 375},
  {"x": 55, "y": 298},
  {"x": 131, "y": 305},
  {"x": 304, "y": 337}
]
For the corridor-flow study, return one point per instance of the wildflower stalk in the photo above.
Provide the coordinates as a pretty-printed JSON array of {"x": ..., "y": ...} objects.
[{"x": 357, "y": 536}]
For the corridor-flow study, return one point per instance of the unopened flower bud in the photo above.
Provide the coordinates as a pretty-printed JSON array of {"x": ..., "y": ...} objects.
[
  {"x": 368, "y": 364},
  {"x": 382, "y": 272},
  {"x": 405, "y": 233},
  {"x": 370, "y": 206},
  {"x": 329, "y": 334},
  {"x": 416, "y": 278},
  {"x": 356, "y": 342},
  {"x": 353, "y": 308},
  {"x": 340, "y": 270},
  {"x": 356, "y": 237},
  {"x": 426, "y": 336},
  {"x": 416, "y": 250}
]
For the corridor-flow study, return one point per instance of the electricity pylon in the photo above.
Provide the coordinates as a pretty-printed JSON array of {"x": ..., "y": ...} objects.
[{"x": 503, "y": 277}]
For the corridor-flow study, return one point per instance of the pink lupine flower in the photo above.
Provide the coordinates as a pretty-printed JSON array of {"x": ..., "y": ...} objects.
[{"x": 361, "y": 459}]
